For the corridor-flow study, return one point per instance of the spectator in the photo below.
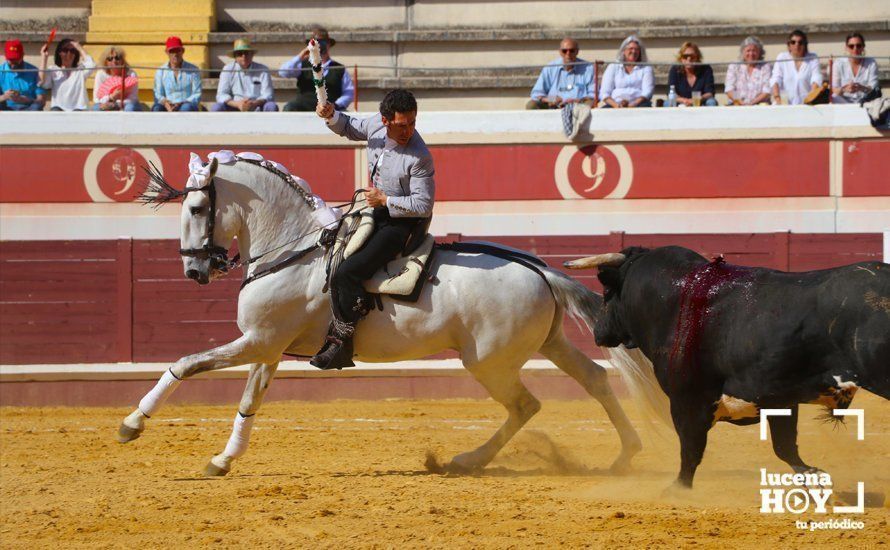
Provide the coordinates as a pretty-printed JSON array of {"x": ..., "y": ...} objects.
[
  {"x": 566, "y": 80},
  {"x": 117, "y": 86},
  {"x": 689, "y": 78},
  {"x": 243, "y": 84},
  {"x": 626, "y": 83},
  {"x": 855, "y": 78},
  {"x": 67, "y": 78},
  {"x": 747, "y": 83},
  {"x": 339, "y": 84},
  {"x": 177, "y": 83},
  {"x": 796, "y": 71},
  {"x": 19, "y": 90}
]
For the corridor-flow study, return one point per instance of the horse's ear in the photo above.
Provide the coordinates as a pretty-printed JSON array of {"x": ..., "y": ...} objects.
[{"x": 214, "y": 164}]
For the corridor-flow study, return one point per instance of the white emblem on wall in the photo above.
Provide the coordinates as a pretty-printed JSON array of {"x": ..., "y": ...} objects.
[
  {"x": 123, "y": 172},
  {"x": 594, "y": 168}
]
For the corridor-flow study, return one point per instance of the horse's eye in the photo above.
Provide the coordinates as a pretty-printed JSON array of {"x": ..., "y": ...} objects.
[{"x": 196, "y": 210}]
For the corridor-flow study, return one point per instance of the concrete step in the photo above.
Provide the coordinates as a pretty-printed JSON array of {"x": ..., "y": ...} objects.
[
  {"x": 160, "y": 22},
  {"x": 131, "y": 8},
  {"x": 158, "y": 37}
]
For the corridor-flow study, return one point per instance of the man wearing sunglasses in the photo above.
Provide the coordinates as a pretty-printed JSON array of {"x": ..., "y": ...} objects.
[
  {"x": 568, "y": 79},
  {"x": 796, "y": 72},
  {"x": 177, "y": 82},
  {"x": 341, "y": 90},
  {"x": 243, "y": 84},
  {"x": 18, "y": 81}
]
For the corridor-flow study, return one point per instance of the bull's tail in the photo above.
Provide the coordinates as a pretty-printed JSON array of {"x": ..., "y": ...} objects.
[{"x": 635, "y": 369}]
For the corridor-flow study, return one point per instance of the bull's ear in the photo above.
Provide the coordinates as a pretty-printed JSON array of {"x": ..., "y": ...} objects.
[
  {"x": 611, "y": 281},
  {"x": 214, "y": 164}
]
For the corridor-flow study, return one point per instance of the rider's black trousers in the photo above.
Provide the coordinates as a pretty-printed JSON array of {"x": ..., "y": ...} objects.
[{"x": 386, "y": 243}]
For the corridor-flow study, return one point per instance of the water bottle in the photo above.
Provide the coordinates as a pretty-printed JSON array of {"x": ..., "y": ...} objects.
[{"x": 672, "y": 97}]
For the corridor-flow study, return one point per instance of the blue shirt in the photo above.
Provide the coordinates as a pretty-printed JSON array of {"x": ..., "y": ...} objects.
[
  {"x": 24, "y": 79},
  {"x": 556, "y": 81},
  {"x": 183, "y": 86}
]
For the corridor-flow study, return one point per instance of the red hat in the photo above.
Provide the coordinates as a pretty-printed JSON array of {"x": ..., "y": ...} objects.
[
  {"x": 172, "y": 43},
  {"x": 14, "y": 50}
]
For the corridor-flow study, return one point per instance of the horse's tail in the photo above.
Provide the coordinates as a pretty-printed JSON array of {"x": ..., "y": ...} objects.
[{"x": 635, "y": 369}]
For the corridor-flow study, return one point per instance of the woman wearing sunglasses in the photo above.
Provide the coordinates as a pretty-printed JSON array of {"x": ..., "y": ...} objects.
[
  {"x": 691, "y": 79},
  {"x": 67, "y": 78},
  {"x": 796, "y": 72},
  {"x": 855, "y": 78},
  {"x": 116, "y": 87}
]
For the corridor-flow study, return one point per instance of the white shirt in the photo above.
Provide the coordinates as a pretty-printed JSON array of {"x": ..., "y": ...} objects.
[
  {"x": 843, "y": 75},
  {"x": 69, "y": 86},
  {"x": 796, "y": 82},
  {"x": 618, "y": 84}
]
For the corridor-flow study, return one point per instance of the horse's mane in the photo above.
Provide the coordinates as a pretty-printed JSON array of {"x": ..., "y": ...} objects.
[{"x": 158, "y": 191}]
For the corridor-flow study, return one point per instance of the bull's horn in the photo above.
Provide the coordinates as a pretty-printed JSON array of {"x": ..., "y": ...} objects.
[{"x": 613, "y": 259}]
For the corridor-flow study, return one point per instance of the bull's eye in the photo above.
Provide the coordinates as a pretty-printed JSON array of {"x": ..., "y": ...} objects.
[{"x": 195, "y": 210}]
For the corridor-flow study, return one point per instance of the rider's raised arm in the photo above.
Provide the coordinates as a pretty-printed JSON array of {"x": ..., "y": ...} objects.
[
  {"x": 419, "y": 204},
  {"x": 354, "y": 128}
]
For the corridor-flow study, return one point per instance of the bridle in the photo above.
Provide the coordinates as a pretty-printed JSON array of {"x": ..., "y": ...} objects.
[{"x": 216, "y": 255}]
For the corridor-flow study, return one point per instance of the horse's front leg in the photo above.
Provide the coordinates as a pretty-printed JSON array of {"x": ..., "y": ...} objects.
[
  {"x": 239, "y": 352},
  {"x": 258, "y": 381}
]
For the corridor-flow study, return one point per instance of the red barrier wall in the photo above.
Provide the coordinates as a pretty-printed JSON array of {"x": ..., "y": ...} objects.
[
  {"x": 669, "y": 170},
  {"x": 111, "y": 301}
]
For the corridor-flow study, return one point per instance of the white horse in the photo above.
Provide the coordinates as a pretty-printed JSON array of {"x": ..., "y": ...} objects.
[{"x": 494, "y": 312}]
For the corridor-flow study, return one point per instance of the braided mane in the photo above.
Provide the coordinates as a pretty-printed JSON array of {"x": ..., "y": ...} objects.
[{"x": 158, "y": 190}]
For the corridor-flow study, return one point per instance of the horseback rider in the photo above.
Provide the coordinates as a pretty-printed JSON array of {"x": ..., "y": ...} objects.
[{"x": 401, "y": 193}]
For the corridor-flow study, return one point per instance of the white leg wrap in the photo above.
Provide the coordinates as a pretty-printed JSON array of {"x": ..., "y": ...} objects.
[
  {"x": 237, "y": 444},
  {"x": 154, "y": 399}
]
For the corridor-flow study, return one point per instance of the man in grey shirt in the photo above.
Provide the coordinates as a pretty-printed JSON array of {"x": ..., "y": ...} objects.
[{"x": 402, "y": 193}]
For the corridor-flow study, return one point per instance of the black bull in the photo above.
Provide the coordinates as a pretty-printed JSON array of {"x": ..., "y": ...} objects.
[{"x": 727, "y": 340}]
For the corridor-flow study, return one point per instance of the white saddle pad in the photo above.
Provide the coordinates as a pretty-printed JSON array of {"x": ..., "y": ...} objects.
[{"x": 400, "y": 276}]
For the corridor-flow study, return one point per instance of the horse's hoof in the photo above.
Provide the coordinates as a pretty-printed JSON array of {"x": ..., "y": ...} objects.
[
  {"x": 462, "y": 469},
  {"x": 212, "y": 470},
  {"x": 218, "y": 466},
  {"x": 125, "y": 433},
  {"x": 464, "y": 464}
]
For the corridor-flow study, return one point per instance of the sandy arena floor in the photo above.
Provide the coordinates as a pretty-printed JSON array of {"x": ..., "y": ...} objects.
[{"x": 350, "y": 474}]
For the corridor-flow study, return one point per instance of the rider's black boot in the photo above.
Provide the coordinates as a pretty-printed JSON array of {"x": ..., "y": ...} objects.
[{"x": 337, "y": 350}]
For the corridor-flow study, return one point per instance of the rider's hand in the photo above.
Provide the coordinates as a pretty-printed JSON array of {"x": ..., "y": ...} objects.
[
  {"x": 325, "y": 111},
  {"x": 375, "y": 197}
]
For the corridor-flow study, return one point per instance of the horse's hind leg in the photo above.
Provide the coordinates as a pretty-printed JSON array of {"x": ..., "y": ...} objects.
[
  {"x": 595, "y": 381},
  {"x": 258, "y": 381},
  {"x": 238, "y": 352},
  {"x": 503, "y": 383}
]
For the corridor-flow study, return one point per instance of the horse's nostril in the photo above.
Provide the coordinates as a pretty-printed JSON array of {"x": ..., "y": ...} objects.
[{"x": 192, "y": 274}]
